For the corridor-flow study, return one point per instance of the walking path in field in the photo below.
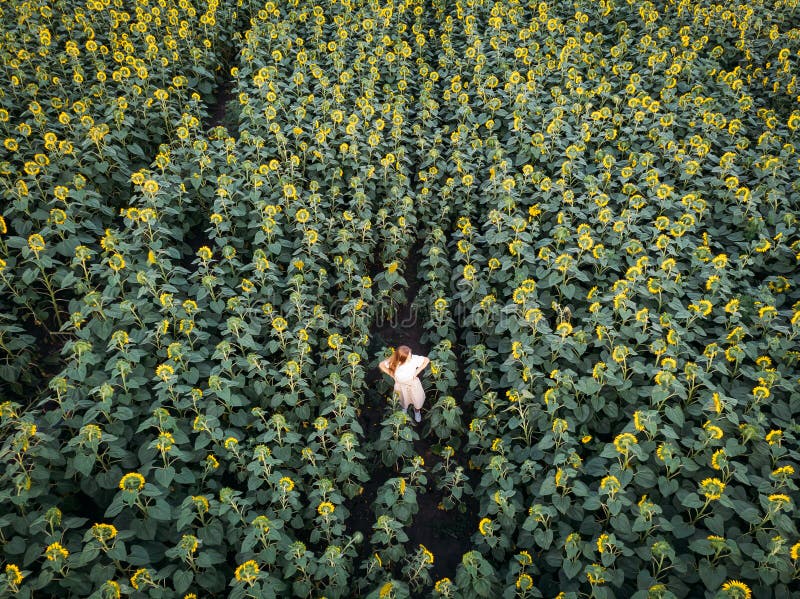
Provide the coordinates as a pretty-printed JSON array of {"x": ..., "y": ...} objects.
[{"x": 445, "y": 533}]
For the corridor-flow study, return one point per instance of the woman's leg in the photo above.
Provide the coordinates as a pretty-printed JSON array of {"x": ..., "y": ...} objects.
[
  {"x": 418, "y": 395},
  {"x": 417, "y": 402},
  {"x": 402, "y": 399}
]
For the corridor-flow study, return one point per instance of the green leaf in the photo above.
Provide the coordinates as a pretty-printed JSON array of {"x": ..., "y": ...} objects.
[
  {"x": 746, "y": 511},
  {"x": 115, "y": 507},
  {"x": 572, "y": 568},
  {"x": 645, "y": 477},
  {"x": 562, "y": 503},
  {"x": 100, "y": 573},
  {"x": 681, "y": 529},
  {"x": 185, "y": 477},
  {"x": 622, "y": 525},
  {"x": 16, "y": 546},
  {"x": 84, "y": 463},
  {"x": 164, "y": 476},
  {"x": 716, "y": 524},
  {"x": 209, "y": 558},
  {"x": 675, "y": 414},
  {"x": 667, "y": 487},
  {"x": 138, "y": 556},
  {"x": 768, "y": 575},
  {"x": 84, "y": 557},
  {"x": 161, "y": 511},
  {"x": 29, "y": 275},
  {"x": 712, "y": 576},
  {"x": 543, "y": 538},
  {"x": 482, "y": 586},
  {"x": 117, "y": 552},
  {"x": 181, "y": 580},
  {"x": 212, "y": 533}
]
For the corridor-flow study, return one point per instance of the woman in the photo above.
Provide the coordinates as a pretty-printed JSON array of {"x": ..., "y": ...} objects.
[{"x": 404, "y": 368}]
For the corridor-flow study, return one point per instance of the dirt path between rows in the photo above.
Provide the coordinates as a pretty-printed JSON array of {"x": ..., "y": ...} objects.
[{"x": 445, "y": 533}]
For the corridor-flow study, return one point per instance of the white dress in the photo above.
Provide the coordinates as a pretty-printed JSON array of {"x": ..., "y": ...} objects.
[{"x": 407, "y": 384}]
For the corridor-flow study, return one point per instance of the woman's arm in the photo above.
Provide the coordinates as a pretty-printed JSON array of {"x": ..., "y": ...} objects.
[
  {"x": 423, "y": 365},
  {"x": 384, "y": 368}
]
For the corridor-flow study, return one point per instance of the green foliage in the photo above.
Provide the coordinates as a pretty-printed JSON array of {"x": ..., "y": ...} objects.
[{"x": 606, "y": 199}]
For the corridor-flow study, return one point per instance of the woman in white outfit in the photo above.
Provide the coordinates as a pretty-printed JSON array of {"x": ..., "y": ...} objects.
[{"x": 404, "y": 368}]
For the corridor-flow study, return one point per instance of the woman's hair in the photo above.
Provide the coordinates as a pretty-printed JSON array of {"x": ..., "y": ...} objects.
[{"x": 399, "y": 356}]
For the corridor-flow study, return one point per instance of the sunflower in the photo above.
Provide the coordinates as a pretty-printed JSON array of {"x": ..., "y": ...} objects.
[
  {"x": 36, "y": 243},
  {"x": 326, "y": 508},
  {"x": 624, "y": 441},
  {"x": 524, "y": 582},
  {"x": 116, "y": 262},
  {"x": 13, "y": 575},
  {"x": 56, "y": 552},
  {"x": 737, "y": 590},
  {"x": 443, "y": 586},
  {"x": 104, "y": 532},
  {"x": 712, "y": 488},
  {"x": 132, "y": 481},
  {"x": 485, "y": 527}
]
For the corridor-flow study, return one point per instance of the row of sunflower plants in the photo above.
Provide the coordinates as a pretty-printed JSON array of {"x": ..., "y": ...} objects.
[
  {"x": 90, "y": 92},
  {"x": 626, "y": 275},
  {"x": 206, "y": 419},
  {"x": 361, "y": 139}
]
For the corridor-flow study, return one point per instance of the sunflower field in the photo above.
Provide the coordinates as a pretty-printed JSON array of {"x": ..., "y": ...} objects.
[{"x": 586, "y": 213}]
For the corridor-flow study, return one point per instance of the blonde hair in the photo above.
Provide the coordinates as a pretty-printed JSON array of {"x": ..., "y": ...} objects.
[{"x": 399, "y": 356}]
